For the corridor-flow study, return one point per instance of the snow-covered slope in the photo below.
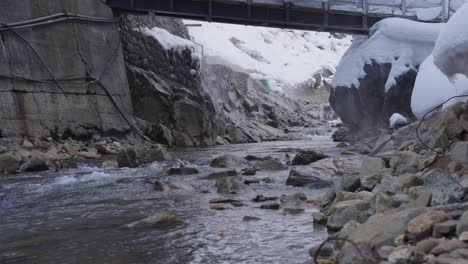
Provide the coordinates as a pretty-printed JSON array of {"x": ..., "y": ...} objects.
[{"x": 288, "y": 56}]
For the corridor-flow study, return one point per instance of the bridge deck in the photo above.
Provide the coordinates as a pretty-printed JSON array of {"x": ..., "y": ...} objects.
[{"x": 348, "y": 16}]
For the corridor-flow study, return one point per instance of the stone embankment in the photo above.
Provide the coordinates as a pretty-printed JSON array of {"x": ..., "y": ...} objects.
[{"x": 407, "y": 202}]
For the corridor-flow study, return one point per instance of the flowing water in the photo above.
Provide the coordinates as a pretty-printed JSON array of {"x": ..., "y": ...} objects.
[{"x": 78, "y": 215}]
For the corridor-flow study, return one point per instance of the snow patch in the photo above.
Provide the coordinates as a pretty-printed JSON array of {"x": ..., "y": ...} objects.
[
  {"x": 397, "y": 120},
  {"x": 171, "y": 42},
  {"x": 283, "y": 57},
  {"x": 433, "y": 88}
]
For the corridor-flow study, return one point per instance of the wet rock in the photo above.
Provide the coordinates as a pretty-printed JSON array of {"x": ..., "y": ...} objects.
[
  {"x": 270, "y": 206},
  {"x": 10, "y": 162},
  {"x": 37, "y": 161},
  {"x": 328, "y": 198},
  {"x": 221, "y": 206},
  {"x": 384, "y": 252},
  {"x": 443, "y": 187},
  {"x": 89, "y": 154},
  {"x": 220, "y": 174},
  {"x": 324, "y": 251},
  {"x": 347, "y": 229},
  {"x": 250, "y": 218},
  {"x": 302, "y": 178},
  {"x": 260, "y": 198},
  {"x": 360, "y": 255},
  {"x": 160, "y": 186},
  {"x": 422, "y": 225},
  {"x": 249, "y": 171},
  {"x": 27, "y": 145},
  {"x": 356, "y": 210},
  {"x": 307, "y": 157},
  {"x": 228, "y": 161},
  {"x": 459, "y": 152},
  {"x": 293, "y": 210},
  {"x": 182, "y": 171},
  {"x": 383, "y": 229},
  {"x": 340, "y": 134},
  {"x": 253, "y": 181},
  {"x": 319, "y": 218},
  {"x": 134, "y": 156},
  {"x": 227, "y": 185},
  {"x": 462, "y": 225},
  {"x": 157, "y": 220},
  {"x": 269, "y": 165},
  {"x": 445, "y": 228},
  {"x": 298, "y": 197},
  {"x": 256, "y": 158}
]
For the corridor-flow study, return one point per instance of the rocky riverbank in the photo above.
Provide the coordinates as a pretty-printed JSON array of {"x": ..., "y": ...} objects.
[
  {"x": 34, "y": 155},
  {"x": 406, "y": 202}
]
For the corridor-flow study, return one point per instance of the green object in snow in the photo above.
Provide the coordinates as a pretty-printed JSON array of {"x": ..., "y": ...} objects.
[{"x": 266, "y": 85}]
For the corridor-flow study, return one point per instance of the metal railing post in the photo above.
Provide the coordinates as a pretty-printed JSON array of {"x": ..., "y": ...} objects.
[
  {"x": 249, "y": 9},
  {"x": 365, "y": 12},
  {"x": 325, "y": 9},
  {"x": 403, "y": 7}
]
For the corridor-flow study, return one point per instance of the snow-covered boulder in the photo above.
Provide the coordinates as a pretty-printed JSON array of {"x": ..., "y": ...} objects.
[
  {"x": 444, "y": 73},
  {"x": 376, "y": 76},
  {"x": 451, "y": 49}
]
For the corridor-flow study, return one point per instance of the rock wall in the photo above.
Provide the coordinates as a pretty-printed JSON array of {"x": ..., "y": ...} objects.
[
  {"x": 69, "y": 49},
  {"x": 246, "y": 112},
  {"x": 165, "y": 86}
]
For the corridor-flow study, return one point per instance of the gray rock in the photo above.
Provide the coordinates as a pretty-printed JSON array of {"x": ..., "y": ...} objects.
[
  {"x": 348, "y": 183},
  {"x": 300, "y": 178},
  {"x": 352, "y": 255},
  {"x": 307, "y": 157},
  {"x": 221, "y": 173},
  {"x": 462, "y": 225},
  {"x": 182, "y": 171},
  {"x": 356, "y": 210},
  {"x": 35, "y": 163},
  {"x": 228, "y": 161},
  {"x": 269, "y": 165},
  {"x": 459, "y": 152},
  {"x": 157, "y": 220},
  {"x": 383, "y": 229},
  {"x": 443, "y": 187},
  {"x": 371, "y": 166},
  {"x": 270, "y": 206},
  {"x": 9, "y": 162}
]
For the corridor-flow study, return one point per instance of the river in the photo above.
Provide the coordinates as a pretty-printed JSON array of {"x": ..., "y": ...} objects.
[{"x": 77, "y": 215}]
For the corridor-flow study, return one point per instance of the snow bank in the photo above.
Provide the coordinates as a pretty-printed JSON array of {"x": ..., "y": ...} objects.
[
  {"x": 169, "y": 41},
  {"x": 397, "y": 120},
  {"x": 433, "y": 88},
  {"x": 288, "y": 56},
  {"x": 403, "y": 43},
  {"x": 451, "y": 49}
]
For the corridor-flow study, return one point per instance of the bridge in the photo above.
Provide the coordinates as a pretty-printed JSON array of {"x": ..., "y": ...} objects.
[{"x": 346, "y": 16}]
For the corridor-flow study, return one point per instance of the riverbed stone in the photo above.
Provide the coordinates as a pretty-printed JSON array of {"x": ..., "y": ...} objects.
[
  {"x": 428, "y": 244},
  {"x": 357, "y": 210},
  {"x": 348, "y": 183},
  {"x": 220, "y": 173},
  {"x": 228, "y": 161},
  {"x": 227, "y": 185},
  {"x": 307, "y": 157},
  {"x": 269, "y": 165},
  {"x": 443, "y": 187},
  {"x": 325, "y": 251},
  {"x": 160, "y": 219},
  {"x": 270, "y": 206},
  {"x": 422, "y": 225},
  {"x": 448, "y": 247},
  {"x": 371, "y": 166},
  {"x": 300, "y": 177},
  {"x": 10, "y": 162},
  {"x": 221, "y": 206}
]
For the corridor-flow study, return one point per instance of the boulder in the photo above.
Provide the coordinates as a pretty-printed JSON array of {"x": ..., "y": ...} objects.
[
  {"x": 301, "y": 178},
  {"x": 9, "y": 162},
  {"x": 182, "y": 171},
  {"x": 371, "y": 166},
  {"x": 37, "y": 162},
  {"x": 307, "y": 157},
  {"x": 422, "y": 225},
  {"x": 356, "y": 210},
  {"x": 459, "y": 152},
  {"x": 228, "y": 161},
  {"x": 348, "y": 183},
  {"x": 383, "y": 229},
  {"x": 358, "y": 253},
  {"x": 269, "y": 165},
  {"x": 443, "y": 187}
]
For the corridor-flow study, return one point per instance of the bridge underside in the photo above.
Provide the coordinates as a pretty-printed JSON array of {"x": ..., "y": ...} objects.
[{"x": 249, "y": 13}]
